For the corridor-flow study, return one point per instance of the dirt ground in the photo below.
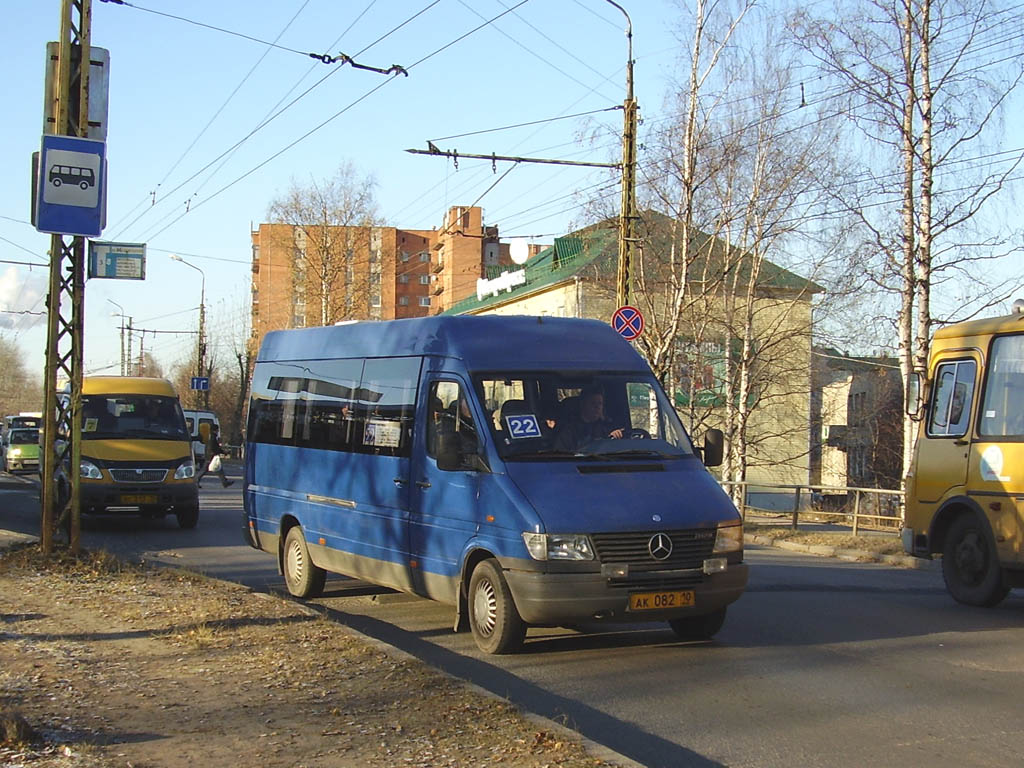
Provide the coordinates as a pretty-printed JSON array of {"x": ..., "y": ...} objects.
[
  {"x": 877, "y": 543},
  {"x": 104, "y": 663}
]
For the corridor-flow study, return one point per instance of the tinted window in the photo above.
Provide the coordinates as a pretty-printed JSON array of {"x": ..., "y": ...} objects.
[
  {"x": 338, "y": 405},
  {"x": 1002, "y": 410},
  {"x": 387, "y": 404}
]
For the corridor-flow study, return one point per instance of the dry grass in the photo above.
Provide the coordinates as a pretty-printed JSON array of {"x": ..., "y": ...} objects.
[{"x": 876, "y": 543}]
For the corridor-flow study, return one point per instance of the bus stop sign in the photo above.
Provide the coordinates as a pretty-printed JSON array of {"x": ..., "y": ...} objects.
[{"x": 70, "y": 194}]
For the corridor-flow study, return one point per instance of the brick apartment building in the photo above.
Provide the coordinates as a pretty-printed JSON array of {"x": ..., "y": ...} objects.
[{"x": 379, "y": 273}]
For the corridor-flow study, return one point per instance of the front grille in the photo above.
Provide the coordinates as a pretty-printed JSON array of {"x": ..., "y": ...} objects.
[
  {"x": 689, "y": 549},
  {"x": 138, "y": 475}
]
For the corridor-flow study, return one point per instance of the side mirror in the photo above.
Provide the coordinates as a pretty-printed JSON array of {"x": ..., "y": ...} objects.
[
  {"x": 714, "y": 447},
  {"x": 913, "y": 402}
]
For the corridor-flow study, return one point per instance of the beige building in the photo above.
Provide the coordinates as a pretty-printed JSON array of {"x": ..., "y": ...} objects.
[{"x": 575, "y": 278}]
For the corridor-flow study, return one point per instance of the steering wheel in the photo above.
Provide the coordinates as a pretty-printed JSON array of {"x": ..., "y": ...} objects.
[{"x": 639, "y": 434}]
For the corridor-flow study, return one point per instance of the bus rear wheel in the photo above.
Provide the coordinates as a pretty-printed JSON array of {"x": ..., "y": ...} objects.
[
  {"x": 970, "y": 564},
  {"x": 493, "y": 618},
  {"x": 301, "y": 576}
]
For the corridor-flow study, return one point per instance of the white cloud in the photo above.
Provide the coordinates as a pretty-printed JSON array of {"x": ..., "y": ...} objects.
[{"x": 22, "y": 294}]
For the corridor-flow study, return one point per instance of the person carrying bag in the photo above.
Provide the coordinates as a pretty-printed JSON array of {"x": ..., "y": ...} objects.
[{"x": 213, "y": 456}]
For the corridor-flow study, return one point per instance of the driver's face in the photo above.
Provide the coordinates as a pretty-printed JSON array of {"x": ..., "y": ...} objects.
[{"x": 593, "y": 408}]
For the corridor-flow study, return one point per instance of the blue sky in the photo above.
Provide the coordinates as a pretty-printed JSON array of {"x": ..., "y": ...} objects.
[
  {"x": 182, "y": 96},
  {"x": 186, "y": 100}
]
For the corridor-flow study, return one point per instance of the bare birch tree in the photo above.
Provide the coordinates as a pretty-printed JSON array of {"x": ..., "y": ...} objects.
[
  {"x": 923, "y": 83},
  {"x": 329, "y": 232}
]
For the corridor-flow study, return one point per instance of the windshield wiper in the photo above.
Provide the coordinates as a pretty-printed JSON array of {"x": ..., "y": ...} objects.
[
  {"x": 639, "y": 452},
  {"x": 547, "y": 453}
]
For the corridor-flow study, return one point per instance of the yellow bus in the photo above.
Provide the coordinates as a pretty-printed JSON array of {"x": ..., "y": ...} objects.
[{"x": 965, "y": 490}]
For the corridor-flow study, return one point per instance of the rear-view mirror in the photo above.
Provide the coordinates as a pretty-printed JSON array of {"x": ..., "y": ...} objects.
[
  {"x": 913, "y": 404},
  {"x": 714, "y": 447}
]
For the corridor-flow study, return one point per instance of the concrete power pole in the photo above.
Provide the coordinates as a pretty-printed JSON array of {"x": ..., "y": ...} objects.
[
  {"x": 69, "y": 104},
  {"x": 627, "y": 211}
]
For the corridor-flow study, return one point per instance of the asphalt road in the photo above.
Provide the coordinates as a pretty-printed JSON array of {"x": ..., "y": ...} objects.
[{"x": 821, "y": 663}]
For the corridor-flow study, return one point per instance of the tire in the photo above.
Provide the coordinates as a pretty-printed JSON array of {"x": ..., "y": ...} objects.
[
  {"x": 56, "y": 182},
  {"x": 493, "y": 618},
  {"x": 698, "y": 627},
  {"x": 188, "y": 517},
  {"x": 970, "y": 564},
  {"x": 84, "y": 185},
  {"x": 301, "y": 576}
]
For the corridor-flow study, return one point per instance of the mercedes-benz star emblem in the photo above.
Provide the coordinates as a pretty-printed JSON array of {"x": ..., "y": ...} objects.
[{"x": 660, "y": 546}]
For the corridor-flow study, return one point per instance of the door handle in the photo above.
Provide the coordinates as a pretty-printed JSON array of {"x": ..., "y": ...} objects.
[
  {"x": 399, "y": 481},
  {"x": 423, "y": 483}
]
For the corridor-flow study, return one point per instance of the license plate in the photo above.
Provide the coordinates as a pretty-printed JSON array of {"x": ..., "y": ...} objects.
[
  {"x": 138, "y": 498},
  {"x": 659, "y": 601}
]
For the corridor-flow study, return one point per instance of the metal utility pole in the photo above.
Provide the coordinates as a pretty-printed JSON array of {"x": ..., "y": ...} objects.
[
  {"x": 201, "y": 350},
  {"x": 121, "y": 314},
  {"x": 69, "y": 104}
]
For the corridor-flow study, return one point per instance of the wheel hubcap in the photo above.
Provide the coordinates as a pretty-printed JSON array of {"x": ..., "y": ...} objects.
[
  {"x": 294, "y": 562},
  {"x": 485, "y": 607}
]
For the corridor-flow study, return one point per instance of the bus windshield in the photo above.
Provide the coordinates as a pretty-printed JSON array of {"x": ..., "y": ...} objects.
[
  {"x": 152, "y": 417},
  {"x": 558, "y": 415}
]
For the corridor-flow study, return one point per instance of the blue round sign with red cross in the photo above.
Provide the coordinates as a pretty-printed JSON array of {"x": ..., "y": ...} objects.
[{"x": 628, "y": 322}]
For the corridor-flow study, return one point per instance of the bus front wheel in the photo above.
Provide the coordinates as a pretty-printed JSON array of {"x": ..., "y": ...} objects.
[
  {"x": 301, "y": 576},
  {"x": 970, "y": 564},
  {"x": 493, "y": 618}
]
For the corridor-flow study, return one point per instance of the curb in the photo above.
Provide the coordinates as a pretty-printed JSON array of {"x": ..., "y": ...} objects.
[{"x": 852, "y": 555}]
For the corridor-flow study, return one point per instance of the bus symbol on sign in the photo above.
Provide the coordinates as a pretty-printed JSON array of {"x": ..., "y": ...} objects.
[
  {"x": 628, "y": 322},
  {"x": 83, "y": 178}
]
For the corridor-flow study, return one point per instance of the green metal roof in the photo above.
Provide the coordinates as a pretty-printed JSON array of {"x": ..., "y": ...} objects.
[{"x": 597, "y": 246}]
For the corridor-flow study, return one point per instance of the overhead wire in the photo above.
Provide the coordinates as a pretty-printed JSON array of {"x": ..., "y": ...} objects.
[{"x": 340, "y": 112}]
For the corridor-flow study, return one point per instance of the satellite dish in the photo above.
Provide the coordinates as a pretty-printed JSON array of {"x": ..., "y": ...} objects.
[{"x": 519, "y": 250}]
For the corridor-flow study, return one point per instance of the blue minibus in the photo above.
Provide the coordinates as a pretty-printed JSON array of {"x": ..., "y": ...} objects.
[{"x": 529, "y": 471}]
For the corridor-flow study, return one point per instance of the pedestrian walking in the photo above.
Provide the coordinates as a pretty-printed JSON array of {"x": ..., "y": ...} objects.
[{"x": 212, "y": 460}]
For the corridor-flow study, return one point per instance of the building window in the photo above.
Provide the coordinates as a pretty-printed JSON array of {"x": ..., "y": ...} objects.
[
  {"x": 375, "y": 300},
  {"x": 424, "y": 256},
  {"x": 424, "y": 301},
  {"x": 403, "y": 301},
  {"x": 424, "y": 279},
  {"x": 403, "y": 278},
  {"x": 405, "y": 256}
]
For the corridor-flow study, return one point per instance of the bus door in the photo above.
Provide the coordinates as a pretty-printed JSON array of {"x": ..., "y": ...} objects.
[
  {"x": 944, "y": 447},
  {"x": 445, "y": 509}
]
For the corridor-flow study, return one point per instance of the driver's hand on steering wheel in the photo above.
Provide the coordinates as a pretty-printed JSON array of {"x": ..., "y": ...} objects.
[{"x": 615, "y": 434}]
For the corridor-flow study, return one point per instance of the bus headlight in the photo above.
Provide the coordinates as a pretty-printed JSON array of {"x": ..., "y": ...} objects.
[
  {"x": 558, "y": 546},
  {"x": 185, "y": 471},
  {"x": 729, "y": 538},
  {"x": 14, "y": 452},
  {"x": 89, "y": 470}
]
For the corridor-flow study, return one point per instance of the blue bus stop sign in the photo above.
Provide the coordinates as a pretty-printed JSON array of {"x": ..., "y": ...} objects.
[{"x": 70, "y": 186}]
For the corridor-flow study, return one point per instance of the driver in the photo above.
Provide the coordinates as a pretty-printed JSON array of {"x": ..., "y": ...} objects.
[{"x": 589, "y": 424}]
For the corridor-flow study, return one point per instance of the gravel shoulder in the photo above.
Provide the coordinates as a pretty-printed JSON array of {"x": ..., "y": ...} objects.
[{"x": 104, "y": 663}]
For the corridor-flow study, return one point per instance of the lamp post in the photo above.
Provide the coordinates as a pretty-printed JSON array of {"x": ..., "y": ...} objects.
[
  {"x": 201, "y": 351},
  {"x": 121, "y": 315},
  {"x": 627, "y": 210}
]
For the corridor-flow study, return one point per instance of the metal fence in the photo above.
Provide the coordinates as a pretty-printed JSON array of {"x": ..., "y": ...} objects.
[{"x": 881, "y": 506}]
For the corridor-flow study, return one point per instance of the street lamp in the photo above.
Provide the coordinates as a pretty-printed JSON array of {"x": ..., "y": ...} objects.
[
  {"x": 201, "y": 351},
  {"x": 121, "y": 314}
]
